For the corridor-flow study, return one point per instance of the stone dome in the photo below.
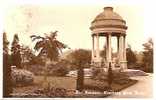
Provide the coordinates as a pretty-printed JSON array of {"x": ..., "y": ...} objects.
[{"x": 108, "y": 21}]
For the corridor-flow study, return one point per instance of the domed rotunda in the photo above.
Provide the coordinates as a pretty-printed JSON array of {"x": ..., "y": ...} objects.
[{"x": 109, "y": 24}]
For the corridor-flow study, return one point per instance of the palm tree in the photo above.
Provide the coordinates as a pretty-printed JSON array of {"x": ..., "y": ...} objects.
[{"x": 50, "y": 48}]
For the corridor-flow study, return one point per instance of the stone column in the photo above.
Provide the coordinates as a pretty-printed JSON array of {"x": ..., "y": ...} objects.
[
  {"x": 97, "y": 47},
  {"x": 93, "y": 48},
  {"x": 118, "y": 53},
  {"x": 124, "y": 51},
  {"x": 121, "y": 52},
  {"x": 109, "y": 48}
]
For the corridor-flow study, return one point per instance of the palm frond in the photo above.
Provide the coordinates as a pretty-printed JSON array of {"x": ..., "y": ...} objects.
[
  {"x": 39, "y": 45},
  {"x": 34, "y": 37}
]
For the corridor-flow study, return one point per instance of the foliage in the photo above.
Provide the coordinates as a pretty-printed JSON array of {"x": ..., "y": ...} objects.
[
  {"x": 7, "y": 84},
  {"x": 22, "y": 77},
  {"x": 120, "y": 78},
  {"x": 49, "y": 48},
  {"x": 48, "y": 45},
  {"x": 15, "y": 49},
  {"x": 148, "y": 56},
  {"x": 117, "y": 77},
  {"x": 103, "y": 53},
  {"x": 80, "y": 58},
  {"x": 5, "y": 43},
  {"x": 80, "y": 77},
  {"x": 96, "y": 85},
  {"x": 51, "y": 92},
  {"x": 59, "y": 69},
  {"x": 110, "y": 75},
  {"x": 80, "y": 55},
  {"x": 130, "y": 56},
  {"x": 36, "y": 61},
  {"x": 95, "y": 72},
  {"x": 27, "y": 54}
]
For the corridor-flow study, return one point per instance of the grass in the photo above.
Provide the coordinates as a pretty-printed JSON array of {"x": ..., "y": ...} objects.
[
  {"x": 102, "y": 86},
  {"x": 69, "y": 83},
  {"x": 63, "y": 82}
]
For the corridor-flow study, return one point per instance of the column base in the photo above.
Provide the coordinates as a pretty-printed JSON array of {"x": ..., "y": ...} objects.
[{"x": 123, "y": 65}]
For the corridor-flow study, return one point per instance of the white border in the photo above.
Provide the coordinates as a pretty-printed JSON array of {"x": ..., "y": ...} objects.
[{"x": 149, "y": 20}]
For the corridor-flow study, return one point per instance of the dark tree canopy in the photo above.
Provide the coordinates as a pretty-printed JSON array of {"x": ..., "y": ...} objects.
[
  {"x": 103, "y": 53},
  {"x": 131, "y": 57},
  {"x": 15, "y": 52},
  {"x": 7, "y": 84},
  {"x": 5, "y": 43},
  {"x": 148, "y": 56},
  {"x": 80, "y": 55}
]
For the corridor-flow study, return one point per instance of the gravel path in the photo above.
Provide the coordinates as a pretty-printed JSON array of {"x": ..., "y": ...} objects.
[{"x": 142, "y": 89}]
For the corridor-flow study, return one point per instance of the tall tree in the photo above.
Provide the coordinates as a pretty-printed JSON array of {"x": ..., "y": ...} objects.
[
  {"x": 50, "y": 48},
  {"x": 7, "y": 84},
  {"x": 26, "y": 54},
  {"x": 131, "y": 57},
  {"x": 80, "y": 58},
  {"x": 49, "y": 45},
  {"x": 5, "y": 44},
  {"x": 15, "y": 55},
  {"x": 148, "y": 56}
]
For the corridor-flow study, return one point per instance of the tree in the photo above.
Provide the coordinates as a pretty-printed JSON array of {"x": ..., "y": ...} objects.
[
  {"x": 27, "y": 55},
  {"x": 73, "y": 58},
  {"x": 7, "y": 84},
  {"x": 15, "y": 49},
  {"x": 130, "y": 56},
  {"x": 49, "y": 46},
  {"x": 5, "y": 44},
  {"x": 148, "y": 56},
  {"x": 110, "y": 75},
  {"x": 103, "y": 52},
  {"x": 80, "y": 58}
]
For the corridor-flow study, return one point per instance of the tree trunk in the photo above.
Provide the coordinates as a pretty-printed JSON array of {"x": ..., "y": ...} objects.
[{"x": 7, "y": 84}]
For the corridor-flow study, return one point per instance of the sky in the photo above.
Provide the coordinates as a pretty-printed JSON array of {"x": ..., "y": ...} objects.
[{"x": 72, "y": 23}]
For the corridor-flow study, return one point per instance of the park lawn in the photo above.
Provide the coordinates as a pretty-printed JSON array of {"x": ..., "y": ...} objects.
[
  {"x": 68, "y": 83},
  {"x": 101, "y": 85},
  {"x": 61, "y": 82}
]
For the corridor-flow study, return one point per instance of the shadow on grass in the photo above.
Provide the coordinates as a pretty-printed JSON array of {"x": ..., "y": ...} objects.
[{"x": 92, "y": 88}]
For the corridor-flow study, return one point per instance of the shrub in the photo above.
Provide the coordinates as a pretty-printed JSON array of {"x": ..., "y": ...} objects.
[
  {"x": 118, "y": 77},
  {"x": 36, "y": 69},
  {"x": 58, "y": 71},
  {"x": 21, "y": 76},
  {"x": 110, "y": 75},
  {"x": 80, "y": 78},
  {"x": 95, "y": 72},
  {"x": 96, "y": 85},
  {"x": 51, "y": 92}
]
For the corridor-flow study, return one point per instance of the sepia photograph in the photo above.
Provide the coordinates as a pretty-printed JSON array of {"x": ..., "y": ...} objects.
[{"x": 77, "y": 51}]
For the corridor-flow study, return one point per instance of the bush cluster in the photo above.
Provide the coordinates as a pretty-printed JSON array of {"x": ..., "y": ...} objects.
[
  {"x": 51, "y": 92},
  {"x": 118, "y": 77},
  {"x": 21, "y": 76}
]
